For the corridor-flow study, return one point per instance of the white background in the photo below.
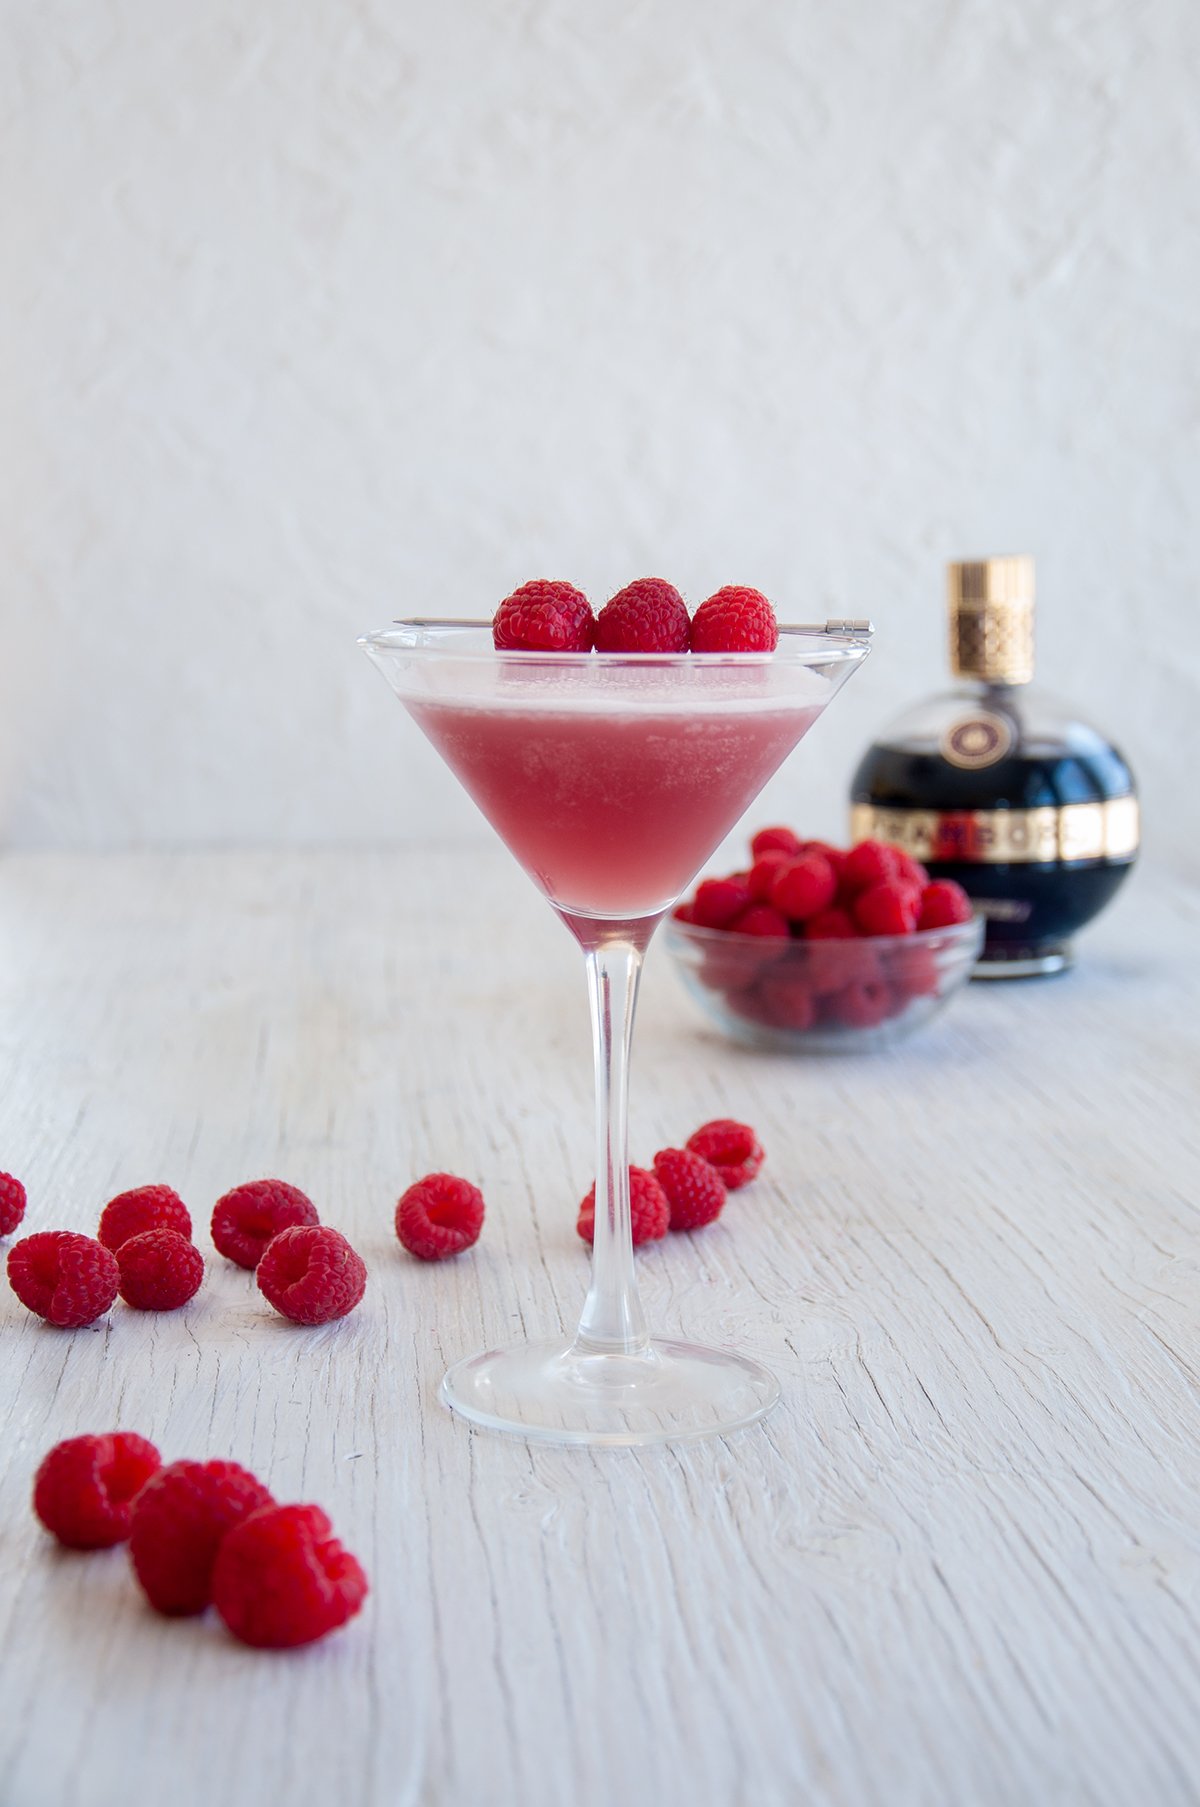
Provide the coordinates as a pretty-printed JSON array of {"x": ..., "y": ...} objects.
[{"x": 317, "y": 312}]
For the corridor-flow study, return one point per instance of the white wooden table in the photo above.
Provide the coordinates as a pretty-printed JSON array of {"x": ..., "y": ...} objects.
[{"x": 959, "y": 1564}]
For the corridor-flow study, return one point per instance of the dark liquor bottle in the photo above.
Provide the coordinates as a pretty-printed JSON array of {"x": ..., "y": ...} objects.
[{"x": 1001, "y": 787}]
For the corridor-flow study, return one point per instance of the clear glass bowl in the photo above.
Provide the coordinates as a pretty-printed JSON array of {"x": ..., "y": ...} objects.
[{"x": 823, "y": 997}]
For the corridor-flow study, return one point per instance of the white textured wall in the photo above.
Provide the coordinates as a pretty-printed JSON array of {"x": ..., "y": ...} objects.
[{"x": 315, "y": 311}]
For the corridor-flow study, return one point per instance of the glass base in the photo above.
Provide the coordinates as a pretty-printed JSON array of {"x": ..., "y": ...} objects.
[
  {"x": 996, "y": 965},
  {"x": 559, "y": 1392}
]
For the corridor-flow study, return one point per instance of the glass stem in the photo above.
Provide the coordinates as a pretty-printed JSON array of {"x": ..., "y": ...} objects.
[{"x": 612, "y": 1318}]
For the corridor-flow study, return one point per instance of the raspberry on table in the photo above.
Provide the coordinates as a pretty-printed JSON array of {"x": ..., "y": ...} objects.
[
  {"x": 735, "y": 619},
  {"x": 84, "y": 1490},
  {"x": 804, "y": 887},
  {"x": 160, "y": 1270},
  {"x": 695, "y": 1191},
  {"x": 647, "y": 616},
  {"x": 870, "y": 863},
  {"x": 761, "y": 919},
  {"x": 439, "y": 1216},
  {"x": 544, "y": 616},
  {"x": 649, "y": 1212},
  {"x": 311, "y": 1274},
  {"x": 719, "y": 900},
  {"x": 776, "y": 840},
  {"x": 12, "y": 1203},
  {"x": 245, "y": 1219},
  {"x": 732, "y": 1148},
  {"x": 282, "y": 1579},
  {"x": 142, "y": 1208},
  {"x": 179, "y": 1520},
  {"x": 944, "y": 903},
  {"x": 890, "y": 908},
  {"x": 67, "y": 1279}
]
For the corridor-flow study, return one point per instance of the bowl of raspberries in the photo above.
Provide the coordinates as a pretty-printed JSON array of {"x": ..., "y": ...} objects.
[{"x": 818, "y": 949}]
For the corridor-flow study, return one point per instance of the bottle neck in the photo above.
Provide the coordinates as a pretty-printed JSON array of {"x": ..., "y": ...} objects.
[
  {"x": 992, "y": 642},
  {"x": 997, "y": 691}
]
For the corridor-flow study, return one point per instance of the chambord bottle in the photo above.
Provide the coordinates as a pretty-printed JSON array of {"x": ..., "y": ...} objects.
[{"x": 1002, "y": 787}]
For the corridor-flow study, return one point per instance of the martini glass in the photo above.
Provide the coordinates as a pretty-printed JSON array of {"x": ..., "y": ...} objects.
[{"x": 612, "y": 777}]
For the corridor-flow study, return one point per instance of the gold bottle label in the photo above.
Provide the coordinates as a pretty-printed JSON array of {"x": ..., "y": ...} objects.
[{"x": 1006, "y": 837}]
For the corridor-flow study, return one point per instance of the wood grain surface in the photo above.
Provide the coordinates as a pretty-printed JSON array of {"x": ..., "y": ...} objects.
[{"x": 959, "y": 1564}]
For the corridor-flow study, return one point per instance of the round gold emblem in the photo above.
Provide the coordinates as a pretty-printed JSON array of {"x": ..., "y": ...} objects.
[{"x": 974, "y": 741}]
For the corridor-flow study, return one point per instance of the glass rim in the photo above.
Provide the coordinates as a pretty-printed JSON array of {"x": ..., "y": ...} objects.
[
  {"x": 427, "y": 636},
  {"x": 951, "y": 933}
]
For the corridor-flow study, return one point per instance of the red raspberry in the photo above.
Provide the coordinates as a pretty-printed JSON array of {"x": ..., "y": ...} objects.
[
  {"x": 179, "y": 1519},
  {"x": 649, "y": 1212},
  {"x": 311, "y": 1274},
  {"x": 891, "y": 908},
  {"x": 85, "y": 1488},
  {"x": 719, "y": 900},
  {"x": 67, "y": 1279},
  {"x": 834, "y": 924},
  {"x": 835, "y": 856},
  {"x": 862, "y": 1004},
  {"x": 732, "y": 1148},
  {"x": 438, "y": 1216},
  {"x": 695, "y": 1191},
  {"x": 281, "y": 1578},
  {"x": 787, "y": 1001},
  {"x": 544, "y": 616},
  {"x": 728, "y": 965},
  {"x": 684, "y": 913},
  {"x": 837, "y": 953},
  {"x": 870, "y": 863},
  {"x": 761, "y": 919},
  {"x": 12, "y": 1203},
  {"x": 735, "y": 620},
  {"x": 245, "y": 1220},
  {"x": 944, "y": 903},
  {"x": 804, "y": 887},
  {"x": 160, "y": 1270},
  {"x": 776, "y": 840},
  {"x": 747, "y": 1003},
  {"x": 913, "y": 971},
  {"x": 832, "y": 967},
  {"x": 763, "y": 873},
  {"x": 647, "y": 616},
  {"x": 144, "y": 1208},
  {"x": 910, "y": 870}
]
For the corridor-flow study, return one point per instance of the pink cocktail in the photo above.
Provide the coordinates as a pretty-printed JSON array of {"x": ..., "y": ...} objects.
[
  {"x": 611, "y": 777},
  {"x": 611, "y": 811}
]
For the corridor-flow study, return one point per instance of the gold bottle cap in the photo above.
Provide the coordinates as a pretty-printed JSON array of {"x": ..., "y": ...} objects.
[{"x": 991, "y": 619}]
